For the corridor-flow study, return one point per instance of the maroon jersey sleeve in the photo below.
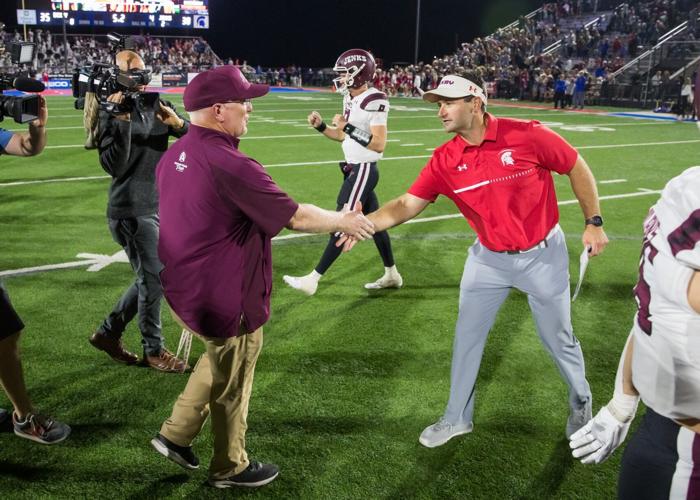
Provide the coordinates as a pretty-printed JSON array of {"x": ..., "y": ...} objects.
[{"x": 552, "y": 150}]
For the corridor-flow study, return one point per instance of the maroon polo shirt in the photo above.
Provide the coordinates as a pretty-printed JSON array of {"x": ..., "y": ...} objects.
[{"x": 219, "y": 210}]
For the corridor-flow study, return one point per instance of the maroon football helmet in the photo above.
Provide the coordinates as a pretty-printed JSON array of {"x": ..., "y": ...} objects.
[{"x": 356, "y": 67}]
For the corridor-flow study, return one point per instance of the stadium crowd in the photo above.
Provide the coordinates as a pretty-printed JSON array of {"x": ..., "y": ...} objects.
[
  {"x": 517, "y": 64},
  {"x": 58, "y": 55},
  {"x": 555, "y": 47}
]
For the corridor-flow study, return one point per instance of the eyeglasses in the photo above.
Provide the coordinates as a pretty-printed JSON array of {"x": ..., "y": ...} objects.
[{"x": 237, "y": 101}]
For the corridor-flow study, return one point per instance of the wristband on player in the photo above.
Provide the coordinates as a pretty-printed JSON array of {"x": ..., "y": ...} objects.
[
  {"x": 358, "y": 135},
  {"x": 321, "y": 127}
]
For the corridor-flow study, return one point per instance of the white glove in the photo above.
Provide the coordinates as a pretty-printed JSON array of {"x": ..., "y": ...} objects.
[{"x": 596, "y": 441}]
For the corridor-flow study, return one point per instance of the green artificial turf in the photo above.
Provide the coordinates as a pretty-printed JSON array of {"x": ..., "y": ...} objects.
[{"x": 348, "y": 378}]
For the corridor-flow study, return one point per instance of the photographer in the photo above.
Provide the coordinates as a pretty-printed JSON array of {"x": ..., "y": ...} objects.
[
  {"x": 26, "y": 422},
  {"x": 131, "y": 139}
]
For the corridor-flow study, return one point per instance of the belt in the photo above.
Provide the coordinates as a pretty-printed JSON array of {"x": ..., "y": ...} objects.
[{"x": 541, "y": 244}]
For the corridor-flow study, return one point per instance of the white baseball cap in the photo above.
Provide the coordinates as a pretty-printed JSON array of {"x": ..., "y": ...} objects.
[{"x": 453, "y": 87}]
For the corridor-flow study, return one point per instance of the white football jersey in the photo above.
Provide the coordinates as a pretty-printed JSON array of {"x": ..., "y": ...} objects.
[
  {"x": 666, "y": 359},
  {"x": 363, "y": 111}
]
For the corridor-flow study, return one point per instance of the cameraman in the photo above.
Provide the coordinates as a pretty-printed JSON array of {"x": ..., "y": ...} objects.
[
  {"x": 130, "y": 144},
  {"x": 26, "y": 422}
]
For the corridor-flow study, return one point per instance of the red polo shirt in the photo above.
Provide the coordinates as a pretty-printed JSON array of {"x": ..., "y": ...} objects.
[
  {"x": 219, "y": 210},
  {"x": 504, "y": 186}
]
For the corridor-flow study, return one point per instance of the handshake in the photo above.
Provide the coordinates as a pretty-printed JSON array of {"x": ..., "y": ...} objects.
[{"x": 354, "y": 226}]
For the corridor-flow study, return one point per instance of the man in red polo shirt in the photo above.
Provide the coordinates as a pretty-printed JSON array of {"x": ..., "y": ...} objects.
[
  {"x": 219, "y": 210},
  {"x": 499, "y": 174}
]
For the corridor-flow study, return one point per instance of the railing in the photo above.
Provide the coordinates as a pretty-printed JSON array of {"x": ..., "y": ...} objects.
[
  {"x": 516, "y": 22},
  {"x": 669, "y": 35},
  {"x": 687, "y": 68},
  {"x": 557, "y": 45}
]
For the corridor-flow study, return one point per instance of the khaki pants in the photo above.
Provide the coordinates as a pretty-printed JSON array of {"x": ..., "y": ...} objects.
[{"x": 220, "y": 384}]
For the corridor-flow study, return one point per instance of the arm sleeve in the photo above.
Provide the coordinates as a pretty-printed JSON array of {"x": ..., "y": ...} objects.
[
  {"x": 552, "y": 150},
  {"x": 685, "y": 241},
  {"x": 114, "y": 145},
  {"x": 181, "y": 131},
  {"x": 256, "y": 194},
  {"x": 378, "y": 112},
  {"x": 426, "y": 186},
  {"x": 5, "y": 136}
]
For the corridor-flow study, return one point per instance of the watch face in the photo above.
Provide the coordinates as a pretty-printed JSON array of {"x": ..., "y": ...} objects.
[{"x": 596, "y": 220}]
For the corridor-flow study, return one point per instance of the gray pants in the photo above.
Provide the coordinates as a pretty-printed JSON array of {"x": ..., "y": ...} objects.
[
  {"x": 139, "y": 238},
  {"x": 578, "y": 98},
  {"x": 542, "y": 274}
]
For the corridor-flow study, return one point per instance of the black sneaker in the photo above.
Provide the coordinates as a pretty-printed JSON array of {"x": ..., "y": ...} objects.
[
  {"x": 181, "y": 455},
  {"x": 256, "y": 474}
]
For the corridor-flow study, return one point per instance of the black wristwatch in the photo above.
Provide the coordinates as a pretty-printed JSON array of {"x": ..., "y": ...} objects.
[{"x": 596, "y": 221}]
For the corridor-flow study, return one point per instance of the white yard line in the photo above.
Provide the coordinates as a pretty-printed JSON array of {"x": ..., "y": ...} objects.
[
  {"x": 639, "y": 144},
  {"x": 331, "y": 162},
  {"x": 612, "y": 181},
  {"x": 46, "y": 181},
  {"x": 416, "y": 131},
  {"x": 302, "y": 123},
  {"x": 459, "y": 215}
]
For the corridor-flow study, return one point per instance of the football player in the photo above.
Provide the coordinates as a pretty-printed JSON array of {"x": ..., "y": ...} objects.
[
  {"x": 362, "y": 130},
  {"x": 661, "y": 360}
]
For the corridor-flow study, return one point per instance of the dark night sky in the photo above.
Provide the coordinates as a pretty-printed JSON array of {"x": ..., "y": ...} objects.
[{"x": 314, "y": 32}]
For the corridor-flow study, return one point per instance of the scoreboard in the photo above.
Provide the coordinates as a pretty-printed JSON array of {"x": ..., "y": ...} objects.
[{"x": 185, "y": 14}]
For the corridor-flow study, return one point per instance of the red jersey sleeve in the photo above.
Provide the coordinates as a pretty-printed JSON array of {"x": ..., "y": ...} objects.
[
  {"x": 426, "y": 186},
  {"x": 552, "y": 150}
]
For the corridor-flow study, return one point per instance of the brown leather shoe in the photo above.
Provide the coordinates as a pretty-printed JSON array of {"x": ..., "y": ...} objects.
[
  {"x": 165, "y": 362},
  {"x": 114, "y": 348}
]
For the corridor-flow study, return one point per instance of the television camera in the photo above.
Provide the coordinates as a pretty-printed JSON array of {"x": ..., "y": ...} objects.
[
  {"x": 24, "y": 108},
  {"x": 103, "y": 80}
]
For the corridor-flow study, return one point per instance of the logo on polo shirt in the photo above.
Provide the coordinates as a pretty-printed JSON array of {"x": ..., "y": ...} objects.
[
  {"x": 507, "y": 158},
  {"x": 462, "y": 167},
  {"x": 180, "y": 164}
]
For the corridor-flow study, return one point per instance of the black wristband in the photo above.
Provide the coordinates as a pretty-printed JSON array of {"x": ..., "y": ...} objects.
[
  {"x": 321, "y": 127},
  {"x": 358, "y": 135},
  {"x": 596, "y": 221}
]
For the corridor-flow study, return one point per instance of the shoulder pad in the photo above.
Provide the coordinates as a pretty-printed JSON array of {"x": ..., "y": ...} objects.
[{"x": 373, "y": 102}]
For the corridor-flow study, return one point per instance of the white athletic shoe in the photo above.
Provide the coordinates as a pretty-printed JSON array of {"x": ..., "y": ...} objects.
[
  {"x": 305, "y": 284},
  {"x": 578, "y": 417},
  {"x": 442, "y": 431},
  {"x": 389, "y": 280}
]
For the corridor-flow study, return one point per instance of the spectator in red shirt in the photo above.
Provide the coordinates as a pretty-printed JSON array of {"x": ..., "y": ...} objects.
[{"x": 499, "y": 174}]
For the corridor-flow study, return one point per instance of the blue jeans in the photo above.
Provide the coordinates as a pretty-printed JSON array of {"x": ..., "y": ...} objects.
[{"x": 139, "y": 238}]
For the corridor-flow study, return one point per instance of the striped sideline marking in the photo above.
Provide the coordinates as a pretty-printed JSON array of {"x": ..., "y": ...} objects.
[
  {"x": 332, "y": 162},
  {"x": 98, "y": 262}
]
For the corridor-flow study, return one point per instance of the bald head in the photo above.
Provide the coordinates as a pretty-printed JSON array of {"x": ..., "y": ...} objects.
[{"x": 128, "y": 59}]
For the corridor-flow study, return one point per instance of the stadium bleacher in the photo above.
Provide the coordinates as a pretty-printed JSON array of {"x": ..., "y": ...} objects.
[{"x": 564, "y": 39}]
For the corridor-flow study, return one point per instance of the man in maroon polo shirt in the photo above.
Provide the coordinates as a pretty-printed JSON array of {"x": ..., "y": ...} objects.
[
  {"x": 499, "y": 174},
  {"x": 219, "y": 210}
]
